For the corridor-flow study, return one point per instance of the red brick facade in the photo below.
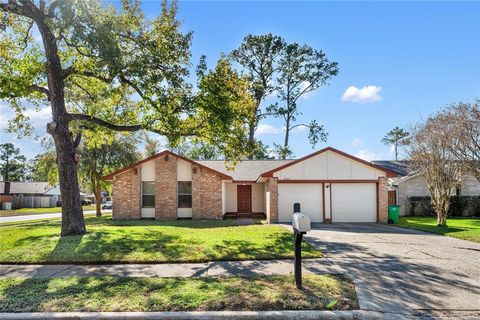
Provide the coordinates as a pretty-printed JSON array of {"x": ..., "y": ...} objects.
[
  {"x": 206, "y": 194},
  {"x": 166, "y": 187},
  {"x": 271, "y": 194},
  {"x": 382, "y": 200},
  {"x": 127, "y": 194}
]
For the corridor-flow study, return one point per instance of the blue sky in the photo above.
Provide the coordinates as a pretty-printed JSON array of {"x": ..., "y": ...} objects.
[{"x": 410, "y": 59}]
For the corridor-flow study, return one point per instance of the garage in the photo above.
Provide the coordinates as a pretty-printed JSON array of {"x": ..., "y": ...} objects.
[
  {"x": 354, "y": 202},
  {"x": 309, "y": 195},
  {"x": 331, "y": 186}
]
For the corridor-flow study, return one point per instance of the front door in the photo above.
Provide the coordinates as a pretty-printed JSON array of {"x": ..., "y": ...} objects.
[{"x": 244, "y": 198}]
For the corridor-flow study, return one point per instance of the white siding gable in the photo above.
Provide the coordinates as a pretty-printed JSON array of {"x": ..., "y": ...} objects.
[
  {"x": 148, "y": 170},
  {"x": 329, "y": 165},
  {"x": 184, "y": 170}
]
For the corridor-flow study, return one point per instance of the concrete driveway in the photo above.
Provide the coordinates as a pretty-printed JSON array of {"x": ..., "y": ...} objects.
[{"x": 402, "y": 270}]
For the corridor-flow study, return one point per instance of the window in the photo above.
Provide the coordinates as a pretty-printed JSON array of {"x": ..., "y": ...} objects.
[
  {"x": 184, "y": 194},
  {"x": 148, "y": 194}
]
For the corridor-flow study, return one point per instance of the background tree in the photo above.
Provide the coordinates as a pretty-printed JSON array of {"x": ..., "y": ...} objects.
[
  {"x": 110, "y": 54},
  {"x": 100, "y": 159},
  {"x": 152, "y": 145},
  {"x": 396, "y": 137},
  {"x": 301, "y": 71},
  {"x": 258, "y": 56},
  {"x": 13, "y": 165},
  {"x": 431, "y": 154},
  {"x": 466, "y": 120}
]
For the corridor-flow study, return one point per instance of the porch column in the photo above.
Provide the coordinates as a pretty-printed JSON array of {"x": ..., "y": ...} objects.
[
  {"x": 271, "y": 197},
  {"x": 382, "y": 200}
]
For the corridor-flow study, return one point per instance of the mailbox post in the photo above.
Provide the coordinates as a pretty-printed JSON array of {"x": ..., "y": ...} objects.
[{"x": 301, "y": 224}]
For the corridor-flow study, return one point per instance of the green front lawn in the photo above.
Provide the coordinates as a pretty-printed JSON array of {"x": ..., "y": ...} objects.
[
  {"x": 175, "y": 294},
  {"x": 146, "y": 241},
  {"x": 28, "y": 211},
  {"x": 462, "y": 228}
]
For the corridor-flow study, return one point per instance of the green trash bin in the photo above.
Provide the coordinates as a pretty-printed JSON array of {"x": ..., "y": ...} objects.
[{"x": 393, "y": 213}]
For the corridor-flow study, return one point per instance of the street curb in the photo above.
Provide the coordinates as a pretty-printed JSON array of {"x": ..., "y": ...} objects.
[{"x": 203, "y": 315}]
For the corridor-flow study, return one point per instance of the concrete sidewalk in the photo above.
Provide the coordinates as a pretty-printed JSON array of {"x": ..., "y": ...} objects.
[{"x": 207, "y": 269}]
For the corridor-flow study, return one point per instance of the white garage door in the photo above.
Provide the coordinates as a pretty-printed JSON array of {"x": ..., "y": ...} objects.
[
  {"x": 354, "y": 202},
  {"x": 309, "y": 195}
]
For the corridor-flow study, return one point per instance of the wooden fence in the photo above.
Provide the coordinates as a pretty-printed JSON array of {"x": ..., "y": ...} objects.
[{"x": 19, "y": 202}]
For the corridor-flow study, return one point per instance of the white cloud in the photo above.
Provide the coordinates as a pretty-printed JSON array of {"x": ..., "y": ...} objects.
[
  {"x": 267, "y": 129},
  {"x": 368, "y": 94},
  {"x": 304, "y": 85},
  {"x": 39, "y": 117},
  {"x": 297, "y": 129},
  {"x": 357, "y": 142},
  {"x": 366, "y": 154}
]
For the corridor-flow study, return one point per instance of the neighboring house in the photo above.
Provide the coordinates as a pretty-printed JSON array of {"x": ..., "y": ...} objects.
[
  {"x": 330, "y": 185},
  {"x": 55, "y": 193},
  {"x": 26, "y": 195},
  {"x": 410, "y": 183}
]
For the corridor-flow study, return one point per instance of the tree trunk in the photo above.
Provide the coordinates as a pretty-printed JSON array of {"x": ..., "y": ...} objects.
[
  {"x": 73, "y": 222},
  {"x": 98, "y": 200},
  {"x": 251, "y": 139},
  {"x": 396, "y": 151}
]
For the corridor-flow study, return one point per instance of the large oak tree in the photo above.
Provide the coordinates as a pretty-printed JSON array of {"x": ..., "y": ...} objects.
[{"x": 137, "y": 66}]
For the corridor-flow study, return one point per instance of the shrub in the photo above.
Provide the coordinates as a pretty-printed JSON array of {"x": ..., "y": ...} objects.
[{"x": 460, "y": 206}]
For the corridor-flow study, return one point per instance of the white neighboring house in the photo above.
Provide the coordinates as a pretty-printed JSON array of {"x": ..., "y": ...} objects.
[
  {"x": 411, "y": 183},
  {"x": 16, "y": 195}
]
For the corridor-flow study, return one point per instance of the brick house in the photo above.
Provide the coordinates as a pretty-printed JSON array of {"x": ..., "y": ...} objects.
[{"x": 330, "y": 185}]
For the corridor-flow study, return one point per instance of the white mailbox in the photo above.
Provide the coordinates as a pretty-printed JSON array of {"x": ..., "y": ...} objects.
[{"x": 301, "y": 222}]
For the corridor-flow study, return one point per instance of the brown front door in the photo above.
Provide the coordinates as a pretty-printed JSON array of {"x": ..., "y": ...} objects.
[{"x": 244, "y": 199}]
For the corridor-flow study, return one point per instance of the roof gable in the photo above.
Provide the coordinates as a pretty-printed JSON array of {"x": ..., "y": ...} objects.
[
  {"x": 110, "y": 176},
  {"x": 270, "y": 173}
]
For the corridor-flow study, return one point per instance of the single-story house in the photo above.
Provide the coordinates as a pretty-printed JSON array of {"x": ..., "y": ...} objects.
[
  {"x": 19, "y": 194},
  {"x": 330, "y": 185},
  {"x": 410, "y": 183}
]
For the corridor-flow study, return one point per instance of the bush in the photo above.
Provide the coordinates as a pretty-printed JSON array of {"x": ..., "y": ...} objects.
[{"x": 460, "y": 206}]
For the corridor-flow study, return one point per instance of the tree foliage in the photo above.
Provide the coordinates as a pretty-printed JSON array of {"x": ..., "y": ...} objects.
[
  {"x": 396, "y": 137},
  {"x": 258, "y": 55},
  {"x": 465, "y": 118},
  {"x": 431, "y": 154},
  {"x": 302, "y": 70},
  {"x": 102, "y": 158},
  {"x": 99, "y": 65},
  {"x": 13, "y": 165}
]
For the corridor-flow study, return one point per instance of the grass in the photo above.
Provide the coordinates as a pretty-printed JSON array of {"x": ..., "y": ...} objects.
[
  {"x": 461, "y": 228},
  {"x": 28, "y": 211},
  {"x": 107, "y": 294},
  {"x": 146, "y": 241}
]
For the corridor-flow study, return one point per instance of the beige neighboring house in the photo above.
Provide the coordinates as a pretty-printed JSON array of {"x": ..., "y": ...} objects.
[
  {"x": 330, "y": 185},
  {"x": 410, "y": 183},
  {"x": 16, "y": 195}
]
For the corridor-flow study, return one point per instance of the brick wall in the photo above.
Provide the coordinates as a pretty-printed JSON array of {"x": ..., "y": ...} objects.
[
  {"x": 206, "y": 194},
  {"x": 271, "y": 190},
  {"x": 126, "y": 195},
  {"x": 382, "y": 200},
  {"x": 166, "y": 187}
]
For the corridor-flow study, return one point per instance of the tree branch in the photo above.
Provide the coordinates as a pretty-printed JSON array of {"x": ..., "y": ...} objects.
[
  {"x": 41, "y": 90},
  {"x": 71, "y": 70},
  {"x": 13, "y": 7}
]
